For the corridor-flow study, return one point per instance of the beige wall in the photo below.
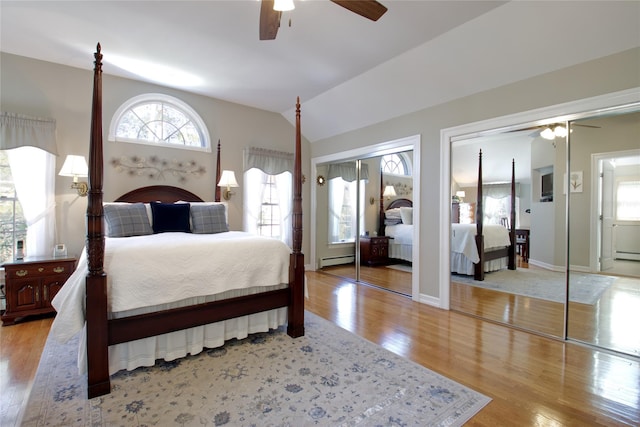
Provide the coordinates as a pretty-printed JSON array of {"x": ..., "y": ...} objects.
[
  {"x": 598, "y": 77},
  {"x": 45, "y": 89}
]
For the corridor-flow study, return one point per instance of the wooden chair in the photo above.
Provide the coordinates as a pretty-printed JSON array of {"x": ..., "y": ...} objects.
[{"x": 522, "y": 244}]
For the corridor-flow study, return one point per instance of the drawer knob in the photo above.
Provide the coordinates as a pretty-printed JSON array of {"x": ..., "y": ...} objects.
[
  {"x": 21, "y": 273},
  {"x": 40, "y": 270},
  {"x": 58, "y": 269}
]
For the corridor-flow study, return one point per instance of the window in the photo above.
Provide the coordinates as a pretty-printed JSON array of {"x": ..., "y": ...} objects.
[
  {"x": 269, "y": 220},
  {"x": 13, "y": 226},
  {"x": 268, "y": 208},
  {"x": 395, "y": 164},
  {"x": 268, "y": 182},
  {"x": 342, "y": 210},
  {"x": 628, "y": 201},
  {"x": 158, "y": 119},
  {"x": 497, "y": 203}
]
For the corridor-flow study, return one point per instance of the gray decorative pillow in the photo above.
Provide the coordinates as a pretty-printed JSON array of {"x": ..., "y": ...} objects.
[
  {"x": 127, "y": 219},
  {"x": 208, "y": 219}
]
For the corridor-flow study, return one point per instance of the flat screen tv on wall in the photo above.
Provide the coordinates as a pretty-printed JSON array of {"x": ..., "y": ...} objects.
[{"x": 546, "y": 188}]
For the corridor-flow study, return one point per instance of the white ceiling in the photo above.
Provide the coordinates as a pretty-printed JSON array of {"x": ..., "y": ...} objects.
[{"x": 349, "y": 72}]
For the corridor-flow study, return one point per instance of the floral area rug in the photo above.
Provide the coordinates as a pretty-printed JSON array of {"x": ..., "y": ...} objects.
[
  {"x": 328, "y": 377},
  {"x": 549, "y": 285}
]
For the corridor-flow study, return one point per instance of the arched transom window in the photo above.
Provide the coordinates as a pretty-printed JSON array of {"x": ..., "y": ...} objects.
[
  {"x": 159, "y": 119},
  {"x": 395, "y": 164}
]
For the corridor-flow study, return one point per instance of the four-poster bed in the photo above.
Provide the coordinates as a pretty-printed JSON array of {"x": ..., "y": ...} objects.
[
  {"x": 108, "y": 331},
  {"x": 478, "y": 248}
]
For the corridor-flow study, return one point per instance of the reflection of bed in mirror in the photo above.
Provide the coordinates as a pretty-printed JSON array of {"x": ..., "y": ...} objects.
[
  {"x": 479, "y": 244},
  {"x": 398, "y": 226}
]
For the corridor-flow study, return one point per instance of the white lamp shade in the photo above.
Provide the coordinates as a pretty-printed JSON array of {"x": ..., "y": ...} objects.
[
  {"x": 283, "y": 5},
  {"x": 228, "y": 179},
  {"x": 389, "y": 191},
  {"x": 74, "y": 166}
]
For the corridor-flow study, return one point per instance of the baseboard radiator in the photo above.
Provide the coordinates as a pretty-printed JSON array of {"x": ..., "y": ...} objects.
[
  {"x": 627, "y": 242},
  {"x": 337, "y": 260}
]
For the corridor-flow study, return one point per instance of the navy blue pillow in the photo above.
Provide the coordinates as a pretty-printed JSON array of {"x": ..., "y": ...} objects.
[{"x": 170, "y": 217}]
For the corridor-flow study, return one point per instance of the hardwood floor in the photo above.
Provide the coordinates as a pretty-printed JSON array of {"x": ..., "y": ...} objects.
[
  {"x": 382, "y": 276},
  {"x": 533, "y": 380}
]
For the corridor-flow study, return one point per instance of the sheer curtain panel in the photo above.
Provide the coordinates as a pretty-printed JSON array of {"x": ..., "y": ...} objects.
[
  {"x": 259, "y": 162},
  {"x": 31, "y": 148}
]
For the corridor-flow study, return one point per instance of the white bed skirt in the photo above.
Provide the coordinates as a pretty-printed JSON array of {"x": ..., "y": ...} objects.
[
  {"x": 400, "y": 251},
  {"x": 174, "y": 345},
  {"x": 462, "y": 265}
]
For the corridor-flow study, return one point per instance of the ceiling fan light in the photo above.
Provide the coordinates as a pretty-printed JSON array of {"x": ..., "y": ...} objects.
[
  {"x": 548, "y": 133},
  {"x": 560, "y": 131},
  {"x": 283, "y": 5}
]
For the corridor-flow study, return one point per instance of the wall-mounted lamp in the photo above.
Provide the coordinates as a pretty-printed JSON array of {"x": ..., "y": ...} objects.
[
  {"x": 460, "y": 195},
  {"x": 228, "y": 180},
  {"x": 388, "y": 193},
  {"x": 76, "y": 166}
]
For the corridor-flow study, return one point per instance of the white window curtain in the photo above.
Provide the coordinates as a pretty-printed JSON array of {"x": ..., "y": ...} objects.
[
  {"x": 31, "y": 148},
  {"x": 497, "y": 203},
  {"x": 259, "y": 162},
  {"x": 343, "y": 201}
]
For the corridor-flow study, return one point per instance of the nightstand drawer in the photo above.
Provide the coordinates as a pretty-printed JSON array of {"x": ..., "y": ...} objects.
[
  {"x": 374, "y": 250},
  {"x": 21, "y": 271},
  {"x": 32, "y": 283}
]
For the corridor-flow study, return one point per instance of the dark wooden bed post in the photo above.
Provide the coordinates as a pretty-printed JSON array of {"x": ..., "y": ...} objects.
[
  {"x": 512, "y": 228},
  {"x": 218, "y": 173},
  {"x": 381, "y": 227},
  {"x": 96, "y": 282},
  {"x": 478, "y": 273},
  {"x": 295, "y": 326}
]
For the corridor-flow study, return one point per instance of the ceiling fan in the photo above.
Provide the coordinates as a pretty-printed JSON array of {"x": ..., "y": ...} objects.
[{"x": 270, "y": 18}]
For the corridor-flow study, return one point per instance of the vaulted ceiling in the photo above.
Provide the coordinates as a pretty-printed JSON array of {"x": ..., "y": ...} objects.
[{"x": 349, "y": 72}]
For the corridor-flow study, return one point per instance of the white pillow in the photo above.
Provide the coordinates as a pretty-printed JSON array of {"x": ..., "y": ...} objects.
[
  {"x": 406, "y": 213},
  {"x": 393, "y": 213}
]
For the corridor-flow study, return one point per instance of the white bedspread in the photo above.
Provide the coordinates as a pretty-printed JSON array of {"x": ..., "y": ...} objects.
[
  {"x": 167, "y": 267},
  {"x": 463, "y": 239},
  {"x": 402, "y": 233}
]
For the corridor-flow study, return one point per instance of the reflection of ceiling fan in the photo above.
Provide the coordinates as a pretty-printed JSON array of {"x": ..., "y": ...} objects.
[
  {"x": 552, "y": 130},
  {"x": 270, "y": 17}
]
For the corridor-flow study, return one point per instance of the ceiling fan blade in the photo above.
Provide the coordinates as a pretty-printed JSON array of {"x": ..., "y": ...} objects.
[
  {"x": 269, "y": 21},
  {"x": 370, "y": 9},
  {"x": 584, "y": 126}
]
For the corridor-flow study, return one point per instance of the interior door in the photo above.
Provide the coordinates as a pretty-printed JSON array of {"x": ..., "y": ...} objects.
[{"x": 607, "y": 244}]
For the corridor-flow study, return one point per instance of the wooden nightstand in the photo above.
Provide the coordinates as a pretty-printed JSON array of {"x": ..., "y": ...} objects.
[
  {"x": 31, "y": 284},
  {"x": 374, "y": 250}
]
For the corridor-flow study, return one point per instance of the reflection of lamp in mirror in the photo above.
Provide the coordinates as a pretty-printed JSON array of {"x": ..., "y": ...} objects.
[
  {"x": 388, "y": 193},
  {"x": 228, "y": 180},
  {"x": 461, "y": 195},
  {"x": 283, "y": 5},
  {"x": 76, "y": 166}
]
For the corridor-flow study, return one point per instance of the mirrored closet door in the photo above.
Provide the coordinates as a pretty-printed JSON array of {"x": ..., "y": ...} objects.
[
  {"x": 577, "y": 223},
  {"x": 351, "y": 238},
  {"x": 604, "y": 233}
]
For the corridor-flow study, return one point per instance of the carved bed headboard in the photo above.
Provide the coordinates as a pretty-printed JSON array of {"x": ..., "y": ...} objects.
[
  {"x": 400, "y": 203},
  {"x": 397, "y": 203},
  {"x": 159, "y": 193}
]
